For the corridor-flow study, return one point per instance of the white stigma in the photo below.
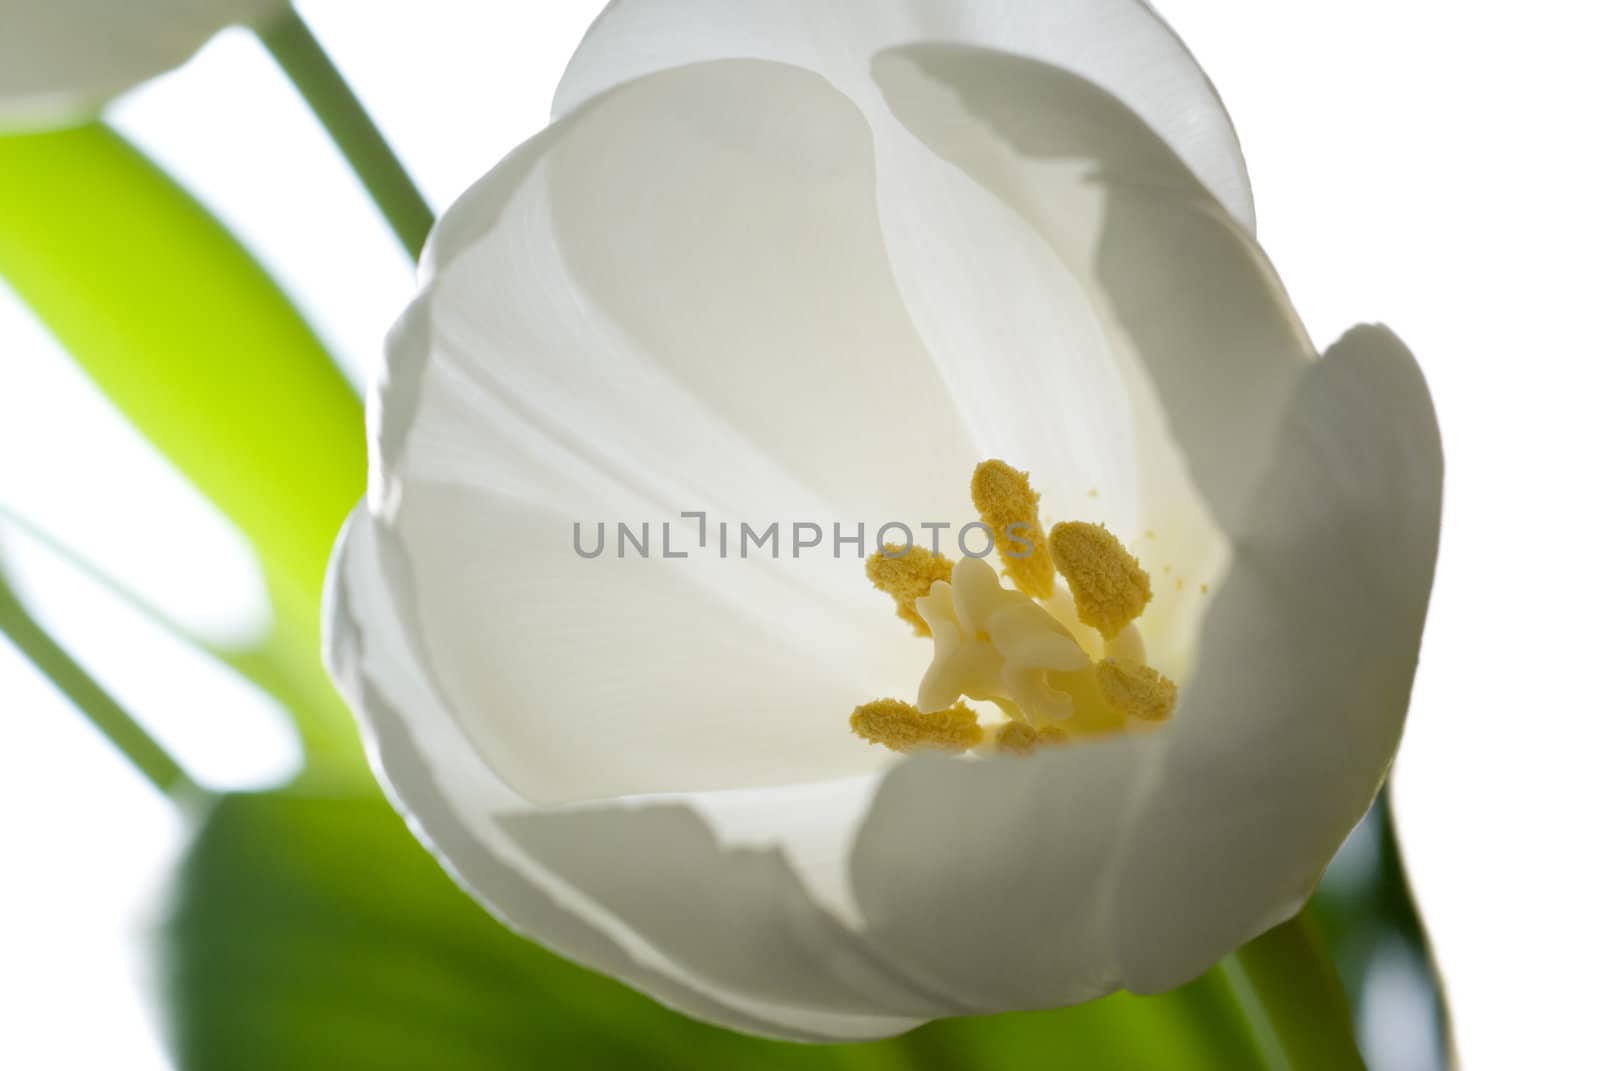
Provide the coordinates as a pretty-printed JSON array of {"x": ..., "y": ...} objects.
[{"x": 994, "y": 644}]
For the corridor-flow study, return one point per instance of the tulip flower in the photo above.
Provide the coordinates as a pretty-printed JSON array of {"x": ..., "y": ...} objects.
[
  {"x": 780, "y": 282},
  {"x": 61, "y": 60}
]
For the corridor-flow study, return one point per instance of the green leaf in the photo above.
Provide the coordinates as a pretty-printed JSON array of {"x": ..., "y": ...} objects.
[
  {"x": 1196, "y": 1028},
  {"x": 1302, "y": 1014},
  {"x": 1372, "y": 914},
  {"x": 316, "y": 933},
  {"x": 195, "y": 343}
]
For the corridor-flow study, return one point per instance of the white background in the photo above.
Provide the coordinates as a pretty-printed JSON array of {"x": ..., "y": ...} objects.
[{"x": 1428, "y": 164}]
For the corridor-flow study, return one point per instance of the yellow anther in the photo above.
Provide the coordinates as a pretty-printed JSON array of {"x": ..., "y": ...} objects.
[
  {"x": 900, "y": 726},
  {"x": 907, "y": 574},
  {"x": 1008, "y": 504},
  {"x": 1108, "y": 585},
  {"x": 1137, "y": 691},
  {"x": 1014, "y": 647},
  {"x": 1021, "y": 739},
  {"x": 1015, "y": 737},
  {"x": 1053, "y": 735}
]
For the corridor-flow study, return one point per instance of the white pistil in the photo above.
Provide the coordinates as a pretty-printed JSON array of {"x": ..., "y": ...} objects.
[{"x": 994, "y": 644}]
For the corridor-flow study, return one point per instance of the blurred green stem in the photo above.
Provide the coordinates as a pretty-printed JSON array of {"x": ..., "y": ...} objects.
[
  {"x": 1288, "y": 985},
  {"x": 74, "y": 682},
  {"x": 273, "y": 664},
  {"x": 302, "y": 58}
]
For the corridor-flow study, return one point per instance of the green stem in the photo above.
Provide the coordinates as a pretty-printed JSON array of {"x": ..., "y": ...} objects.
[
  {"x": 302, "y": 58},
  {"x": 1289, "y": 987},
  {"x": 274, "y": 665},
  {"x": 116, "y": 724}
]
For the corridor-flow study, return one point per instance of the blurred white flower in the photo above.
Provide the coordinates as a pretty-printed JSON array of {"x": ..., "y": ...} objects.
[
  {"x": 62, "y": 60},
  {"x": 816, "y": 262}
]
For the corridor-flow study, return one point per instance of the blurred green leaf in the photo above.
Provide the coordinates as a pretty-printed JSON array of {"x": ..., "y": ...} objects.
[
  {"x": 1196, "y": 1028},
  {"x": 1369, "y": 915},
  {"x": 195, "y": 343},
  {"x": 316, "y": 933}
]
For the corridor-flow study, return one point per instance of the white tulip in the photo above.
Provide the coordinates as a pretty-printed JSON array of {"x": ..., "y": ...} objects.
[
  {"x": 62, "y": 60},
  {"x": 780, "y": 261}
]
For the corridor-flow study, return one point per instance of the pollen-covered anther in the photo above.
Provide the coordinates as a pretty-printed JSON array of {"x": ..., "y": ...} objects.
[
  {"x": 899, "y": 726},
  {"x": 1108, "y": 585},
  {"x": 1009, "y": 506},
  {"x": 907, "y": 574},
  {"x": 1019, "y": 738},
  {"x": 1136, "y": 691}
]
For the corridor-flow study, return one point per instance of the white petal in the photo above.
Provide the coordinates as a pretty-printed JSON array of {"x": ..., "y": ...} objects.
[
  {"x": 1120, "y": 45},
  {"x": 655, "y": 892},
  {"x": 1141, "y": 861},
  {"x": 1203, "y": 346},
  {"x": 990, "y": 882},
  {"x": 1289, "y": 726},
  {"x": 60, "y": 60},
  {"x": 671, "y": 301}
]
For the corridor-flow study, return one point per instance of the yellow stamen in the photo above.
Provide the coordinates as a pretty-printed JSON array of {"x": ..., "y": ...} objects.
[
  {"x": 1015, "y": 647},
  {"x": 900, "y": 726},
  {"x": 907, "y": 574},
  {"x": 1137, "y": 691},
  {"x": 1022, "y": 739},
  {"x": 1108, "y": 584},
  {"x": 1008, "y": 504}
]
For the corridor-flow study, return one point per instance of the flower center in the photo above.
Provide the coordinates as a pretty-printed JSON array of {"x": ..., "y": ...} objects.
[{"x": 1057, "y": 667}]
